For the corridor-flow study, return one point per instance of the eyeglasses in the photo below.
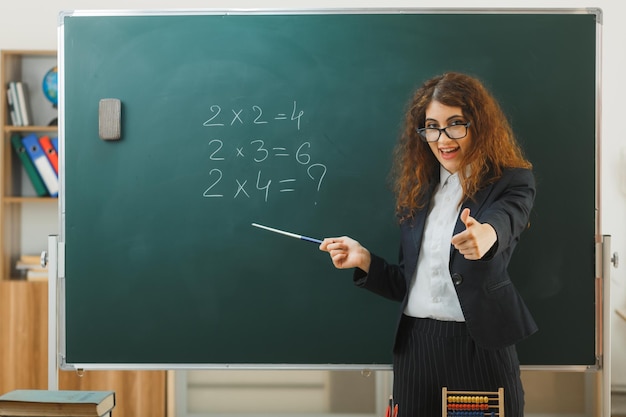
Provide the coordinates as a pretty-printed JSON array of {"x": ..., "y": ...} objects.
[{"x": 432, "y": 134}]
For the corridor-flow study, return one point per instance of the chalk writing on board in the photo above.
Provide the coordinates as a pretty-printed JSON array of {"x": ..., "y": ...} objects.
[
  {"x": 261, "y": 182},
  {"x": 219, "y": 117},
  {"x": 258, "y": 154}
]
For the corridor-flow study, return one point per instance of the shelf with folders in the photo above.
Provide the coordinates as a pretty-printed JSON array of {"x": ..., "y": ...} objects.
[
  {"x": 28, "y": 191},
  {"x": 28, "y": 179}
]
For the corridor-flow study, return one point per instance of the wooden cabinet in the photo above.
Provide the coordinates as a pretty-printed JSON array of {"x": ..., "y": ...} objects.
[
  {"x": 23, "y": 303},
  {"x": 24, "y": 335}
]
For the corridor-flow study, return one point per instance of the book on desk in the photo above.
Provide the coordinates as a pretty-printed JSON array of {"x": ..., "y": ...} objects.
[{"x": 51, "y": 403}]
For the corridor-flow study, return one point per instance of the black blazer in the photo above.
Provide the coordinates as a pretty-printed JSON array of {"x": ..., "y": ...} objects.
[{"x": 495, "y": 313}]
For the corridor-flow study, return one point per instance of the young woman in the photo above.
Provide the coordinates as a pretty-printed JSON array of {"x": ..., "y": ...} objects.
[{"x": 464, "y": 192}]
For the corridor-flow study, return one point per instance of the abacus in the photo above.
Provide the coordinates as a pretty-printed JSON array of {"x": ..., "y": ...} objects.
[{"x": 472, "y": 403}]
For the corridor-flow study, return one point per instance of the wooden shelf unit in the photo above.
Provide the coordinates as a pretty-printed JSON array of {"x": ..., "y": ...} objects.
[{"x": 15, "y": 189}]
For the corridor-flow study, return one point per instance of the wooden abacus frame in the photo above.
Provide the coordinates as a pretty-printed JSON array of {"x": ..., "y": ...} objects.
[{"x": 492, "y": 401}]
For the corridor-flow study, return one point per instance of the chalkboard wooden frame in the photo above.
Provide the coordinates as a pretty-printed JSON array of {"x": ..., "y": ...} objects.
[{"x": 112, "y": 314}]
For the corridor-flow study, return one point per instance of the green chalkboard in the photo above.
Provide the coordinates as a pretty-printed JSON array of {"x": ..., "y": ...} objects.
[{"x": 288, "y": 120}]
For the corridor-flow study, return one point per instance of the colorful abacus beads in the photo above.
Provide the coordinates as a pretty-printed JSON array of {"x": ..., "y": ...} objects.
[
  {"x": 455, "y": 406},
  {"x": 467, "y": 405},
  {"x": 468, "y": 399}
]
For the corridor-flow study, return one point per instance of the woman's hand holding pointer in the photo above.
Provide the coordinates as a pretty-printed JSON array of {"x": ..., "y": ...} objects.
[{"x": 346, "y": 252}]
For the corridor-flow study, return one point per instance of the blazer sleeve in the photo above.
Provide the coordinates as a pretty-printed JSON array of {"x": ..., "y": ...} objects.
[
  {"x": 510, "y": 212},
  {"x": 383, "y": 278}
]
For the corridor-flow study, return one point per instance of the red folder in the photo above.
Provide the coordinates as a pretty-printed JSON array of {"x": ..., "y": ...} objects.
[{"x": 51, "y": 153}]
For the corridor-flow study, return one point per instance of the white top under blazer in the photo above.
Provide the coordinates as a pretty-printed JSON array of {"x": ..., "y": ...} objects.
[{"x": 432, "y": 293}]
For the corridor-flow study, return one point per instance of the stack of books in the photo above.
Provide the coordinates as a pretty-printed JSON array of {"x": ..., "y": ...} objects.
[
  {"x": 44, "y": 403},
  {"x": 19, "y": 106},
  {"x": 29, "y": 267}
]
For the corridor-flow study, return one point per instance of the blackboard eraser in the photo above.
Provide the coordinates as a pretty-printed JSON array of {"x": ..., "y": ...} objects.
[{"x": 110, "y": 119}]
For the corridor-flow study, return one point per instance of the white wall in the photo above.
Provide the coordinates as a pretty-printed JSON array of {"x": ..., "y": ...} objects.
[{"x": 32, "y": 24}]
